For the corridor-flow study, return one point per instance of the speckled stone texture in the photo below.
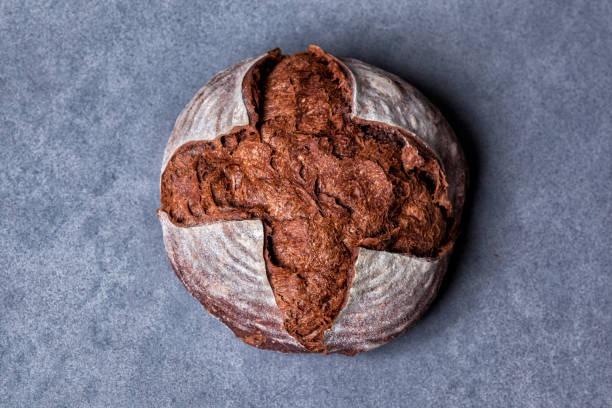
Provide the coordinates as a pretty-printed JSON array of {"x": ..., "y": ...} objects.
[{"x": 91, "y": 313}]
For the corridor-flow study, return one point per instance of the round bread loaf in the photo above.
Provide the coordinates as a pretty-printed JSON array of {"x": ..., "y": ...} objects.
[{"x": 311, "y": 202}]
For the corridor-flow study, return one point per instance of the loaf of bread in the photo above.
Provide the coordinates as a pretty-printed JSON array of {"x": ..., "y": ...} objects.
[{"x": 311, "y": 202}]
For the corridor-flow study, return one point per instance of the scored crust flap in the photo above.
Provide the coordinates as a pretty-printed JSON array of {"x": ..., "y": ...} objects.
[
  {"x": 222, "y": 265},
  {"x": 215, "y": 110},
  {"x": 388, "y": 294}
]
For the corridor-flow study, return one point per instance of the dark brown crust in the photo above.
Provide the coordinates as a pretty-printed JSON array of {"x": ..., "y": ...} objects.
[{"x": 253, "y": 103}]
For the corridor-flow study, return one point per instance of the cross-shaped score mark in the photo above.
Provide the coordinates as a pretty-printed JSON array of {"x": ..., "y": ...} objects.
[{"x": 323, "y": 184}]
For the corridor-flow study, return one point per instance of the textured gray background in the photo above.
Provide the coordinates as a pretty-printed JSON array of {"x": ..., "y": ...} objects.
[{"x": 91, "y": 313}]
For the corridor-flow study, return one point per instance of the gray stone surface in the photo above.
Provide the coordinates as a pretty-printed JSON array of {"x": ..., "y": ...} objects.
[{"x": 90, "y": 311}]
